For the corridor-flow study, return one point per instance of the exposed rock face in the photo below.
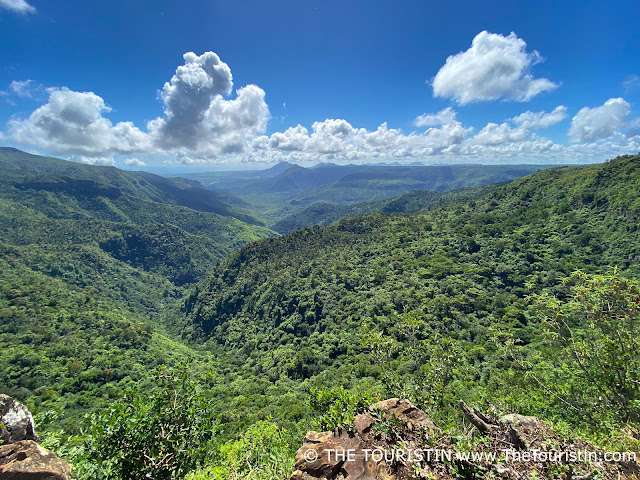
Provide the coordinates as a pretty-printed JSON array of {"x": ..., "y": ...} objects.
[
  {"x": 22, "y": 458},
  {"x": 394, "y": 426},
  {"x": 17, "y": 421},
  {"x": 318, "y": 456},
  {"x": 409, "y": 415},
  {"x": 28, "y": 460},
  {"x": 526, "y": 432},
  {"x": 348, "y": 456}
]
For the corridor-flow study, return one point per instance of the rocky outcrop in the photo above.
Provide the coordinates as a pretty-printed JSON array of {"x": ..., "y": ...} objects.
[
  {"x": 354, "y": 454},
  {"x": 16, "y": 421},
  {"x": 394, "y": 440},
  {"x": 28, "y": 460},
  {"x": 21, "y": 458}
]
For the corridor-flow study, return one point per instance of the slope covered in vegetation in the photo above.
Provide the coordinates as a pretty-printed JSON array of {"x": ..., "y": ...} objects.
[
  {"x": 321, "y": 304},
  {"x": 323, "y": 213},
  {"x": 487, "y": 295},
  {"x": 93, "y": 263},
  {"x": 175, "y": 228},
  {"x": 82, "y": 180}
]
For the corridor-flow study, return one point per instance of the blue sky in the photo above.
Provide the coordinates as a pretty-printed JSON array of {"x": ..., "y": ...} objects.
[{"x": 314, "y": 81}]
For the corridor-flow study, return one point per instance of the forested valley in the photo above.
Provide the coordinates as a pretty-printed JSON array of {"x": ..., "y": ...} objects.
[{"x": 161, "y": 327}]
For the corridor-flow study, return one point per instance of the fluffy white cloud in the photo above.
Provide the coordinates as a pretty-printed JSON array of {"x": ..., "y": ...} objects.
[
  {"x": 203, "y": 123},
  {"x": 512, "y": 141},
  {"x": 291, "y": 140},
  {"x": 597, "y": 123},
  {"x": 437, "y": 139},
  {"x": 494, "y": 134},
  {"x": 495, "y": 67},
  {"x": 188, "y": 96},
  {"x": 198, "y": 121},
  {"x": 517, "y": 129},
  {"x": 337, "y": 139},
  {"x": 18, "y": 6},
  {"x": 72, "y": 122},
  {"x": 332, "y": 136},
  {"x": 443, "y": 117},
  {"x": 103, "y": 161},
  {"x": 539, "y": 120},
  {"x": 134, "y": 162},
  {"x": 197, "y": 116}
]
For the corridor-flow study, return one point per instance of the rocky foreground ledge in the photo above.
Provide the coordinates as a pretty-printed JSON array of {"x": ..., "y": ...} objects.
[
  {"x": 21, "y": 458},
  {"x": 394, "y": 440}
]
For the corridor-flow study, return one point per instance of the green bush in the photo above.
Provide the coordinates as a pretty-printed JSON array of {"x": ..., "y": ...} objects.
[
  {"x": 261, "y": 453},
  {"x": 338, "y": 407},
  {"x": 590, "y": 355},
  {"x": 161, "y": 434}
]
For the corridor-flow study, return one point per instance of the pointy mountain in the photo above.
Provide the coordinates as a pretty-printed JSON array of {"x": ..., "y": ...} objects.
[{"x": 277, "y": 169}]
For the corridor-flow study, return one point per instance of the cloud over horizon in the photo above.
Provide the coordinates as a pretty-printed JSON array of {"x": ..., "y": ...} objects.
[
  {"x": 204, "y": 122},
  {"x": 197, "y": 119},
  {"x": 597, "y": 123},
  {"x": 73, "y": 123}
]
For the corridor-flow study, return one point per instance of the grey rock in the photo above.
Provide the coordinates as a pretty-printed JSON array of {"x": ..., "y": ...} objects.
[{"x": 17, "y": 422}]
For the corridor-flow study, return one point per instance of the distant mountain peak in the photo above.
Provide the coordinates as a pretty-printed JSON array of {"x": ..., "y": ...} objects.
[{"x": 278, "y": 168}]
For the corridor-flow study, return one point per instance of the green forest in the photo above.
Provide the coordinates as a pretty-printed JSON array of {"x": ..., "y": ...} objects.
[{"x": 163, "y": 327}]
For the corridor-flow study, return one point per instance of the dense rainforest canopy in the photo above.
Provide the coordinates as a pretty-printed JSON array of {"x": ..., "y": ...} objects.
[{"x": 432, "y": 296}]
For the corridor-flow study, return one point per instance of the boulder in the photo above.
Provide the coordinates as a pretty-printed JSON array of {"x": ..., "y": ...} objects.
[
  {"x": 412, "y": 417},
  {"x": 324, "y": 455},
  {"x": 28, "y": 460},
  {"x": 341, "y": 455},
  {"x": 526, "y": 432},
  {"x": 17, "y": 423}
]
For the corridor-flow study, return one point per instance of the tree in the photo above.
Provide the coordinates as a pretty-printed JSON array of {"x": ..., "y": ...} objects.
[{"x": 592, "y": 340}]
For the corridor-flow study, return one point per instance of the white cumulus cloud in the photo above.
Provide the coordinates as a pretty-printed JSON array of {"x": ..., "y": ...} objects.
[
  {"x": 134, "y": 162},
  {"x": 495, "y": 67},
  {"x": 539, "y": 120},
  {"x": 597, "y": 123},
  {"x": 494, "y": 134},
  {"x": 197, "y": 116},
  {"x": 72, "y": 122},
  {"x": 443, "y": 117},
  {"x": 18, "y": 6},
  {"x": 199, "y": 120},
  {"x": 292, "y": 139}
]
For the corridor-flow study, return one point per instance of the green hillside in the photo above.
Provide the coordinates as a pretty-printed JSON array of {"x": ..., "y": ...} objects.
[
  {"x": 94, "y": 262},
  {"x": 167, "y": 225},
  {"x": 323, "y": 213},
  {"x": 317, "y": 304},
  {"x": 32, "y": 172},
  {"x": 433, "y": 296}
]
